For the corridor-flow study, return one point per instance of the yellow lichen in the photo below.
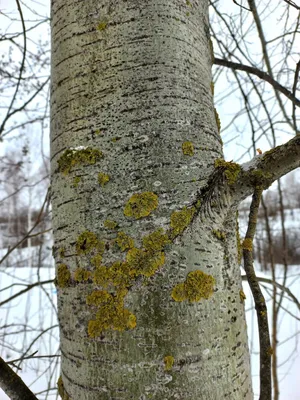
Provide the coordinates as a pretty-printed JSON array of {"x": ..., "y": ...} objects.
[
  {"x": 76, "y": 181},
  {"x": 156, "y": 241},
  {"x": 111, "y": 313},
  {"x": 87, "y": 242},
  {"x": 102, "y": 26},
  {"x": 98, "y": 297},
  {"x": 103, "y": 179},
  {"x": 144, "y": 262},
  {"x": 72, "y": 157},
  {"x": 180, "y": 220},
  {"x": 63, "y": 276},
  {"x": 242, "y": 295},
  {"x": 81, "y": 275},
  {"x": 219, "y": 234},
  {"x": 168, "y": 361},
  {"x": 96, "y": 260},
  {"x": 198, "y": 285},
  {"x": 247, "y": 244},
  {"x": 141, "y": 205},
  {"x": 61, "y": 390},
  {"x": 218, "y": 121},
  {"x": 124, "y": 241},
  {"x": 212, "y": 87},
  {"x": 231, "y": 170},
  {"x": 188, "y": 148},
  {"x": 109, "y": 224}
]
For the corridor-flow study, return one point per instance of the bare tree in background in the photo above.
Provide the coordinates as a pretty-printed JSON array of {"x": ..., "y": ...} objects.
[{"x": 261, "y": 79}]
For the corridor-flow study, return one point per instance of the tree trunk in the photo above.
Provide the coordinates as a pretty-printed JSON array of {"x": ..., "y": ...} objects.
[{"x": 134, "y": 140}]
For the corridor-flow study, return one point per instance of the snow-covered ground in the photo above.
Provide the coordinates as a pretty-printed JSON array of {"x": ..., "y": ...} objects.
[{"x": 28, "y": 324}]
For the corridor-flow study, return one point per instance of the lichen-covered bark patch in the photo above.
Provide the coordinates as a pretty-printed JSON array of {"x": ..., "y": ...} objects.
[
  {"x": 168, "y": 361},
  {"x": 124, "y": 241},
  {"x": 198, "y": 285},
  {"x": 72, "y": 157},
  {"x": 156, "y": 240},
  {"x": 103, "y": 178},
  {"x": 232, "y": 170},
  {"x": 180, "y": 220},
  {"x": 63, "y": 275},
  {"x": 141, "y": 205},
  {"x": 188, "y": 148},
  {"x": 87, "y": 241}
]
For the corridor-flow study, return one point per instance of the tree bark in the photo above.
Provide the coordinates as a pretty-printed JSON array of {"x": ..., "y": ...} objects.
[{"x": 132, "y": 80}]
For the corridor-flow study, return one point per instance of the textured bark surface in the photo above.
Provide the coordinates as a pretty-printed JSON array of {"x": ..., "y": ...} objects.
[{"x": 133, "y": 79}]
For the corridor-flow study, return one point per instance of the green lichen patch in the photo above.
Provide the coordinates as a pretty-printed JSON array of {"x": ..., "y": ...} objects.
[
  {"x": 82, "y": 275},
  {"x": 102, "y": 276},
  {"x": 242, "y": 295},
  {"x": 198, "y": 285},
  {"x": 219, "y": 234},
  {"x": 72, "y": 157},
  {"x": 87, "y": 242},
  {"x": 102, "y": 26},
  {"x": 111, "y": 313},
  {"x": 96, "y": 260},
  {"x": 188, "y": 148},
  {"x": 76, "y": 181},
  {"x": 261, "y": 179},
  {"x": 231, "y": 169},
  {"x": 156, "y": 241},
  {"x": 168, "y": 361},
  {"x": 218, "y": 121},
  {"x": 63, "y": 276},
  {"x": 247, "y": 244},
  {"x": 141, "y": 205},
  {"x": 143, "y": 262},
  {"x": 212, "y": 87},
  {"x": 98, "y": 297},
  {"x": 109, "y": 224},
  {"x": 124, "y": 241},
  {"x": 61, "y": 390},
  {"x": 103, "y": 179},
  {"x": 180, "y": 220}
]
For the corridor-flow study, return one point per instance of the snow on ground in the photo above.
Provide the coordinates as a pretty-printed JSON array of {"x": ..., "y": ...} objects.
[{"x": 37, "y": 310}]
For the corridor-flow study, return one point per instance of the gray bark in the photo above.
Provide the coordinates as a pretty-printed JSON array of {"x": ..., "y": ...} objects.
[{"x": 132, "y": 79}]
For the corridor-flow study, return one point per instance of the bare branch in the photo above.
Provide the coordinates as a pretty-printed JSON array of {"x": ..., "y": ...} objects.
[
  {"x": 262, "y": 75},
  {"x": 13, "y": 385},
  {"x": 260, "y": 303}
]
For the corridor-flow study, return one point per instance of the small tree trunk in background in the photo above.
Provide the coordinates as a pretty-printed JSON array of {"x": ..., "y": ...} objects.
[{"x": 132, "y": 79}]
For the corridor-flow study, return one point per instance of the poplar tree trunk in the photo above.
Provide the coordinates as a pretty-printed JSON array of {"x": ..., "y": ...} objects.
[{"x": 132, "y": 80}]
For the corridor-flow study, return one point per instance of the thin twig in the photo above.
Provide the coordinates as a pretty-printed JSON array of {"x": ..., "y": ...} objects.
[
  {"x": 262, "y": 75},
  {"x": 260, "y": 304}
]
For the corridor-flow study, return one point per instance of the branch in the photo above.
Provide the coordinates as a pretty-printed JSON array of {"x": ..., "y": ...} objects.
[
  {"x": 13, "y": 385},
  {"x": 29, "y": 287},
  {"x": 264, "y": 169},
  {"x": 281, "y": 287},
  {"x": 261, "y": 74},
  {"x": 259, "y": 300}
]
